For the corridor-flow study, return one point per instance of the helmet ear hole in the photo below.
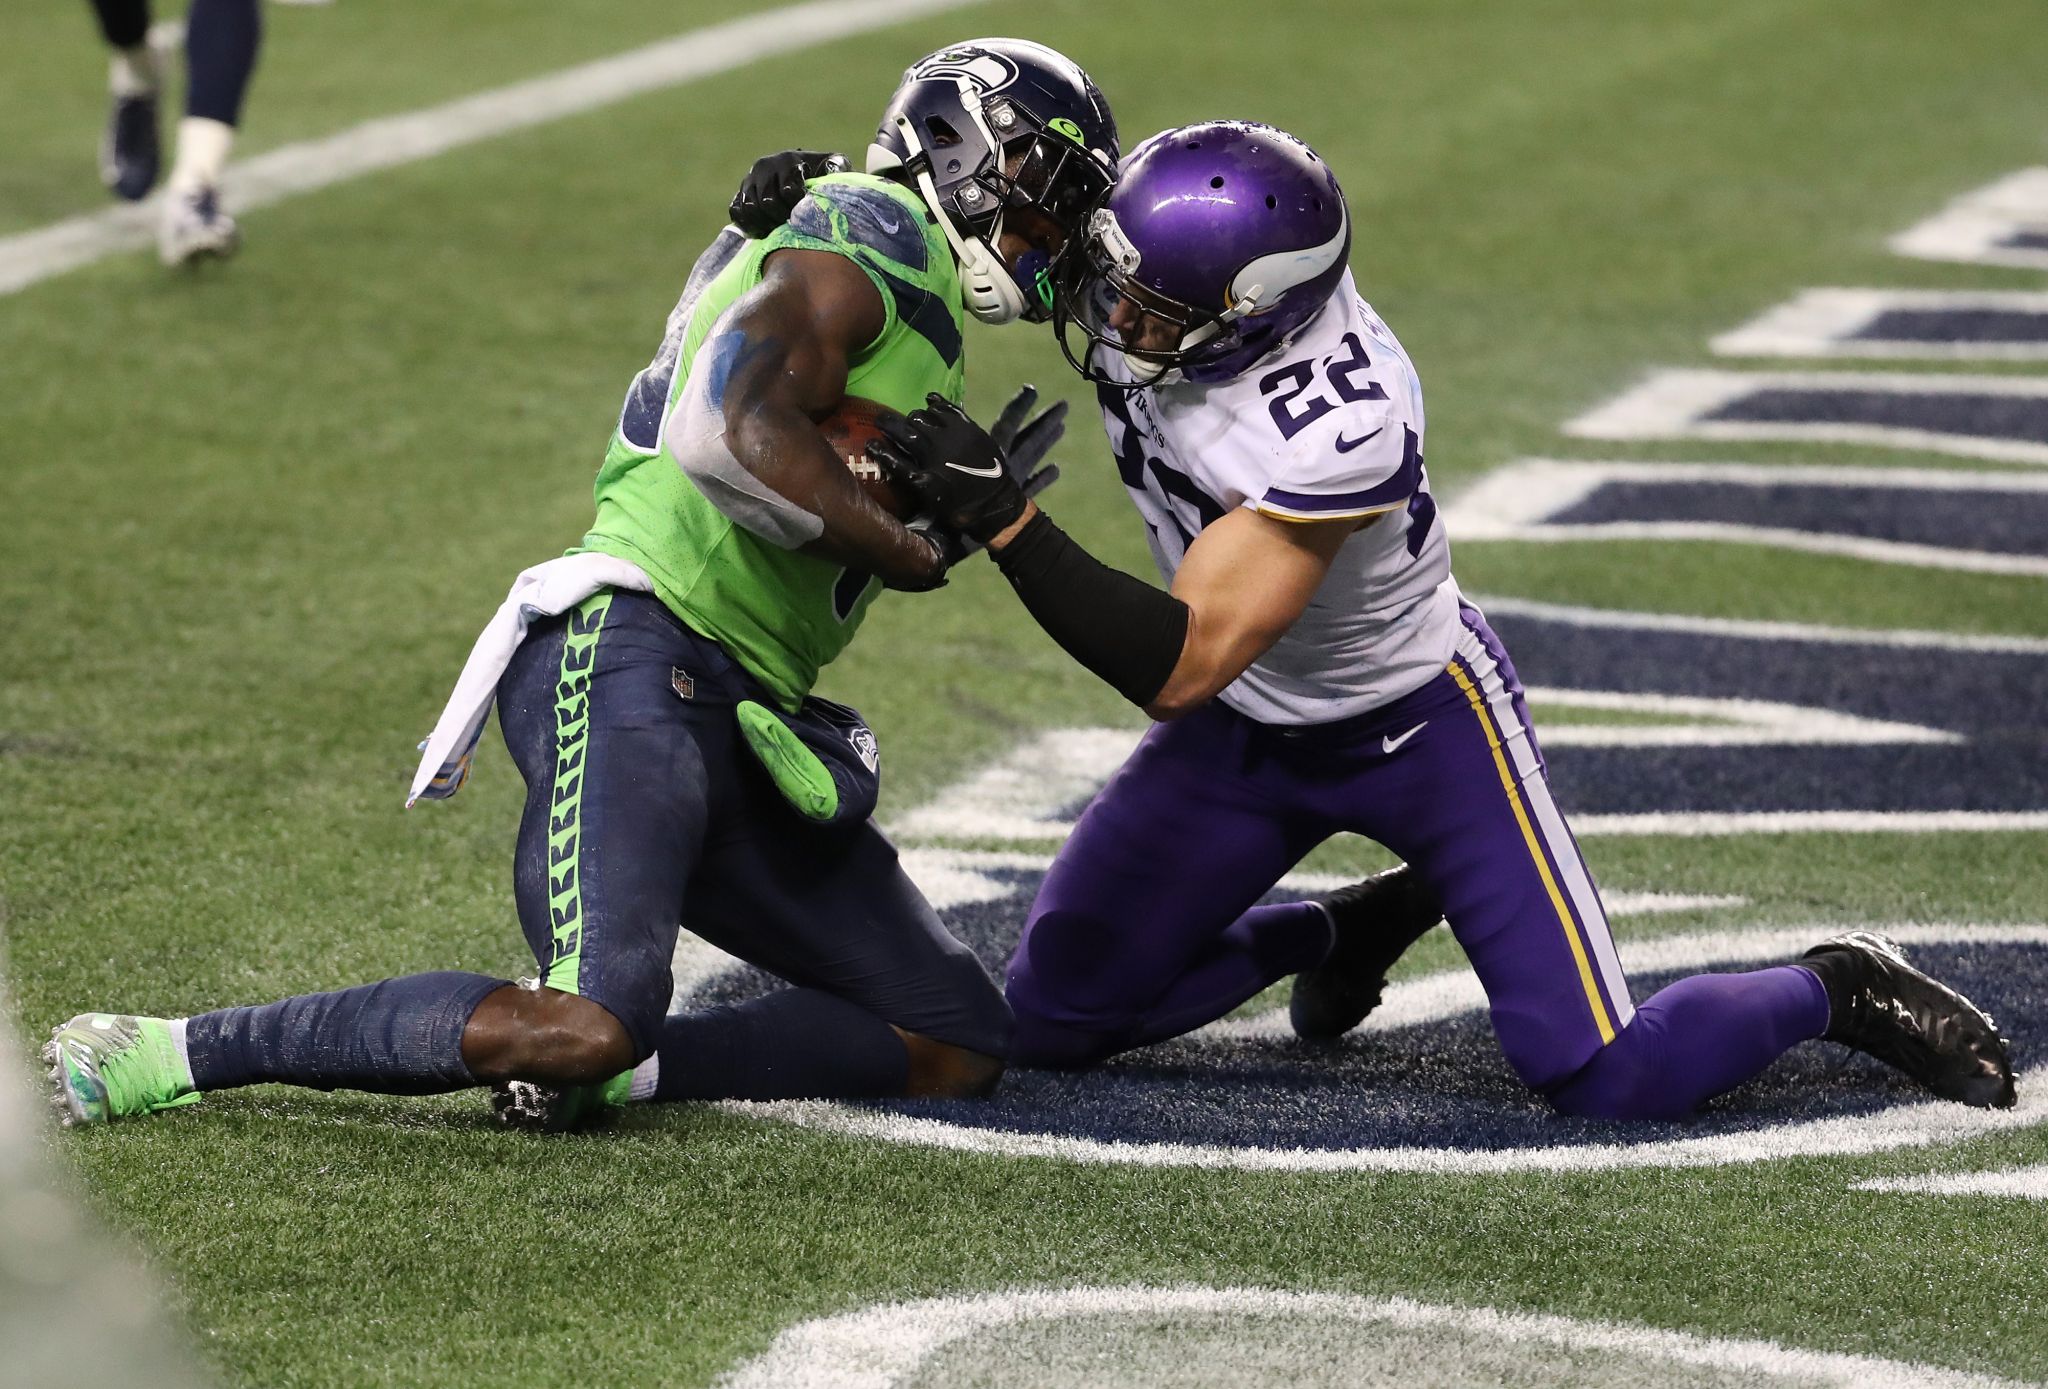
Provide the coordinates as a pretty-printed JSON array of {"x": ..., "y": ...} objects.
[
  {"x": 1272, "y": 201},
  {"x": 942, "y": 134},
  {"x": 1216, "y": 182}
]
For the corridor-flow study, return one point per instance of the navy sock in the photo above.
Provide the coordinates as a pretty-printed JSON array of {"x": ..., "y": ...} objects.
[
  {"x": 124, "y": 22},
  {"x": 799, "y": 1044},
  {"x": 221, "y": 38},
  {"x": 397, "y": 1037}
]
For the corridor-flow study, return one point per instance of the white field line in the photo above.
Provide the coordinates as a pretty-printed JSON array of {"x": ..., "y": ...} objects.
[
  {"x": 1517, "y": 502},
  {"x": 1016, "y": 796},
  {"x": 1899, "y": 552},
  {"x": 1742, "y": 722},
  {"x": 1973, "y": 227},
  {"x": 389, "y": 141},
  {"x": 1745, "y": 629},
  {"x": 1020, "y": 796},
  {"x": 1704, "y": 825},
  {"x": 1903, "y": 1126},
  {"x": 875, "y": 1347},
  {"x": 1670, "y": 405},
  {"x": 1823, "y": 322},
  {"x": 1533, "y": 490},
  {"x": 2025, "y": 1183}
]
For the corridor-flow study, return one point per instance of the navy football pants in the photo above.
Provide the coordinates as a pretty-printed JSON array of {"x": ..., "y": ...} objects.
[{"x": 645, "y": 812}]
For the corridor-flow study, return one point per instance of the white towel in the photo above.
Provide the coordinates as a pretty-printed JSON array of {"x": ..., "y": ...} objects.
[{"x": 546, "y": 590}]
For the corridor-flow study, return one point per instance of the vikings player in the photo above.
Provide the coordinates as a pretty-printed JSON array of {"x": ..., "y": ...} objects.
[{"x": 1314, "y": 669}]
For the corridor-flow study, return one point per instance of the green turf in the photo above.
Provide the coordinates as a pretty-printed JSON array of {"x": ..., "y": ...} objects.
[{"x": 255, "y": 517}]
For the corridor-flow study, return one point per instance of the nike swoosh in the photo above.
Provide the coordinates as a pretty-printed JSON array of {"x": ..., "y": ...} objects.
[
  {"x": 992, "y": 470},
  {"x": 888, "y": 226},
  {"x": 1345, "y": 445},
  {"x": 1394, "y": 744}
]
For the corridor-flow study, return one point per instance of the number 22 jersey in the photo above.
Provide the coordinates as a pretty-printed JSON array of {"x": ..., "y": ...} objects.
[{"x": 1329, "y": 427}]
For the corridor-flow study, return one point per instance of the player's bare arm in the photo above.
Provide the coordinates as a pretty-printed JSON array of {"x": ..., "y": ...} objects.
[
  {"x": 799, "y": 330},
  {"x": 1245, "y": 581}
]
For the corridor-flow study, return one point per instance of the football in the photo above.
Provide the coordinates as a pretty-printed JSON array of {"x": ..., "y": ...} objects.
[{"x": 848, "y": 429}]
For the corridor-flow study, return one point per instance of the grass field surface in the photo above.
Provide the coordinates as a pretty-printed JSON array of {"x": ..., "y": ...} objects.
[{"x": 254, "y": 517}]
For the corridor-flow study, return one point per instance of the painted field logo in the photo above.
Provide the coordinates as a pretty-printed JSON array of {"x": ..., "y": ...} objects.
[{"x": 1423, "y": 1086}]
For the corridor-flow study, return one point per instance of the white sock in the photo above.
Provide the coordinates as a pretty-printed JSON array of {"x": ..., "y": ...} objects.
[
  {"x": 645, "y": 1075},
  {"x": 132, "y": 72},
  {"x": 184, "y": 1052},
  {"x": 203, "y": 147}
]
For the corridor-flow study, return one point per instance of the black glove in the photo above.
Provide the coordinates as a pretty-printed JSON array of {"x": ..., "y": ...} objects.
[
  {"x": 1025, "y": 445},
  {"x": 775, "y": 185},
  {"x": 957, "y": 471},
  {"x": 950, "y": 548}
]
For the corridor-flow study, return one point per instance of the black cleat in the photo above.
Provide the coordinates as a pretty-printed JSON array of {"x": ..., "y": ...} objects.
[
  {"x": 1376, "y": 920},
  {"x": 131, "y": 153},
  {"x": 1879, "y": 1004}
]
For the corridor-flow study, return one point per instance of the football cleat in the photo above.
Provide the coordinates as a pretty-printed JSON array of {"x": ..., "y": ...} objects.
[
  {"x": 1882, "y": 1006},
  {"x": 194, "y": 227},
  {"x": 1375, "y": 921},
  {"x": 535, "y": 1108},
  {"x": 113, "y": 1066},
  {"x": 131, "y": 152}
]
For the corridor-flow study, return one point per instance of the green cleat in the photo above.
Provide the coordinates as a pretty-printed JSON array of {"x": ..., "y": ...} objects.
[
  {"x": 536, "y": 1108},
  {"x": 113, "y": 1066}
]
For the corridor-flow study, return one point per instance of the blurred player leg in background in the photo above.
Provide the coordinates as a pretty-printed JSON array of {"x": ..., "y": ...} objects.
[
  {"x": 222, "y": 38},
  {"x": 130, "y": 152},
  {"x": 221, "y": 42}
]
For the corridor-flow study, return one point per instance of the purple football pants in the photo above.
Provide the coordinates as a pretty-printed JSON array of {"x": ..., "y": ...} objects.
[{"x": 1145, "y": 926}]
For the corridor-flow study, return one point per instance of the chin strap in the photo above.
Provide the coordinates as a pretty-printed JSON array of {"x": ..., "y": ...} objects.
[{"x": 990, "y": 291}]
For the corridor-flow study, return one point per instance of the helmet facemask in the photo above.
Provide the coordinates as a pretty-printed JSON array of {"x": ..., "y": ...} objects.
[
  {"x": 1206, "y": 345},
  {"x": 1004, "y": 160},
  {"x": 1098, "y": 271}
]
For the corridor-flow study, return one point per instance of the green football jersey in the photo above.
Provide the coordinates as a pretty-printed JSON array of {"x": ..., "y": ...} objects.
[{"x": 780, "y": 613}]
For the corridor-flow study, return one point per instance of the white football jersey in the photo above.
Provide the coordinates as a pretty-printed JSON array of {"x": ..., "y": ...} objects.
[{"x": 1328, "y": 427}]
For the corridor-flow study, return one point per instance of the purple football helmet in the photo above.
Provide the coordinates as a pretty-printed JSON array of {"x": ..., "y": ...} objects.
[{"x": 1232, "y": 233}]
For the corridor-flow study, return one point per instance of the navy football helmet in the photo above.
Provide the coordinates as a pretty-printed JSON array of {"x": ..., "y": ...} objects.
[
  {"x": 992, "y": 125},
  {"x": 1232, "y": 233}
]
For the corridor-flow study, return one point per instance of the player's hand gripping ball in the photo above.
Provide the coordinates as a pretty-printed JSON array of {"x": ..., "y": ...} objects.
[{"x": 849, "y": 429}]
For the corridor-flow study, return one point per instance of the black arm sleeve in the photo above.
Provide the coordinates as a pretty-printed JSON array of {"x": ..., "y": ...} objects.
[{"x": 1121, "y": 628}]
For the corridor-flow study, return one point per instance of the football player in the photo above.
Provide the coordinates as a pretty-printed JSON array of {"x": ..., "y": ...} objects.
[
  {"x": 653, "y": 684},
  {"x": 1313, "y": 668},
  {"x": 222, "y": 39}
]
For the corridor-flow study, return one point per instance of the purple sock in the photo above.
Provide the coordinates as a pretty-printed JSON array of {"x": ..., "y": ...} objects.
[
  {"x": 396, "y": 1037},
  {"x": 1695, "y": 1039},
  {"x": 799, "y": 1044},
  {"x": 1260, "y": 948}
]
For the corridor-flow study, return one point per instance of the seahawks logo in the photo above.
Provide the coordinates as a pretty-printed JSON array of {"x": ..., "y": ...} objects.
[
  {"x": 866, "y": 748},
  {"x": 987, "y": 72}
]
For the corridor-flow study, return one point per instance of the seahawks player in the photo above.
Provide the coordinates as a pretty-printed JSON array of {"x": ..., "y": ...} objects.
[
  {"x": 1314, "y": 669},
  {"x": 653, "y": 684}
]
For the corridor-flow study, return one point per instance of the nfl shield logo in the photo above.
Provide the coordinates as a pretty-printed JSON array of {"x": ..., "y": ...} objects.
[{"x": 680, "y": 680}]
